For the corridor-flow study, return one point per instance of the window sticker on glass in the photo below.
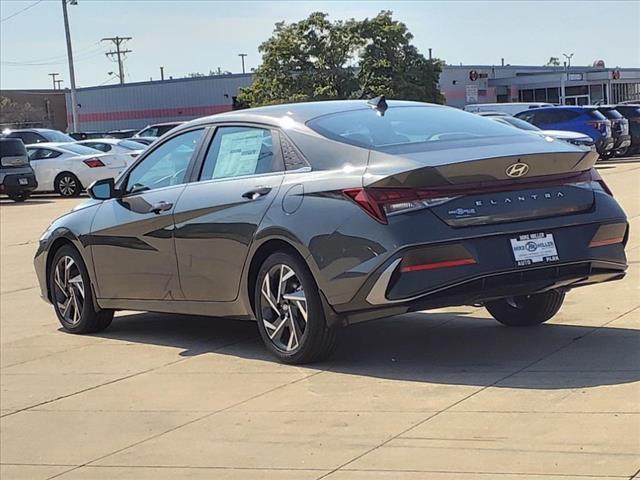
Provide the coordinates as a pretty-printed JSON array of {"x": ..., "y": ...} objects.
[{"x": 239, "y": 153}]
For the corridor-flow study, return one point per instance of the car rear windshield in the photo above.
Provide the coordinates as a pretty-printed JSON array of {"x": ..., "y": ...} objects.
[
  {"x": 406, "y": 125},
  {"x": 596, "y": 115},
  {"x": 12, "y": 147},
  {"x": 131, "y": 145},
  {"x": 611, "y": 113},
  {"x": 79, "y": 149},
  {"x": 629, "y": 111}
]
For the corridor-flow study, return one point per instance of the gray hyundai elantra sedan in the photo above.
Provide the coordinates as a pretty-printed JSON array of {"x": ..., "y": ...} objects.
[{"x": 314, "y": 216}]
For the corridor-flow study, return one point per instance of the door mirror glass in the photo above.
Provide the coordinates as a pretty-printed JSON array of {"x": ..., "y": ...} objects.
[{"x": 102, "y": 189}]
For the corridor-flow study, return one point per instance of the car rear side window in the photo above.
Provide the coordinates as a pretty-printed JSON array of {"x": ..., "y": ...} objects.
[
  {"x": 28, "y": 138},
  {"x": 43, "y": 153},
  {"x": 240, "y": 151},
  {"x": 406, "y": 125}
]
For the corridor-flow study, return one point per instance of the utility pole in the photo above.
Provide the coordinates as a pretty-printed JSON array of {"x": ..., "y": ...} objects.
[
  {"x": 58, "y": 82},
  {"x": 53, "y": 78},
  {"x": 72, "y": 75},
  {"x": 118, "y": 53},
  {"x": 161, "y": 73},
  {"x": 242, "y": 55}
]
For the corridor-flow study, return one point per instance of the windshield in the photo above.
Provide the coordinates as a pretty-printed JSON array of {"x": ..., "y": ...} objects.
[
  {"x": 519, "y": 123},
  {"x": 406, "y": 125},
  {"x": 56, "y": 136},
  {"x": 131, "y": 145},
  {"x": 79, "y": 149}
]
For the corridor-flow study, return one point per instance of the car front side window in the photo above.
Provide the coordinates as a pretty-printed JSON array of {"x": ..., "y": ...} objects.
[{"x": 166, "y": 165}]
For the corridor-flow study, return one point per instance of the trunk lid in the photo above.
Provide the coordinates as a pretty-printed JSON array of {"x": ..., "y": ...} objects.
[{"x": 483, "y": 183}]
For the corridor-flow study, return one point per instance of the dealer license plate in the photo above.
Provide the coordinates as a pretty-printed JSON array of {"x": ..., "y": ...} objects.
[
  {"x": 23, "y": 181},
  {"x": 534, "y": 248}
]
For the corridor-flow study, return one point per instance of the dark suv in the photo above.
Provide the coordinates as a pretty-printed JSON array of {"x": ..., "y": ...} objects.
[
  {"x": 38, "y": 135},
  {"x": 619, "y": 128},
  {"x": 587, "y": 120},
  {"x": 17, "y": 179},
  {"x": 632, "y": 113}
]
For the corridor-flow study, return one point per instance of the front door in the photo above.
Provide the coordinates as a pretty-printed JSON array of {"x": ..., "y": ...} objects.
[
  {"x": 132, "y": 236},
  {"x": 217, "y": 216}
]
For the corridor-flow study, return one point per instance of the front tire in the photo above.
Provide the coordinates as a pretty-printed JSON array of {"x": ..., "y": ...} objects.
[
  {"x": 289, "y": 311},
  {"x": 68, "y": 185},
  {"x": 526, "y": 310},
  {"x": 71, "y": 294}
]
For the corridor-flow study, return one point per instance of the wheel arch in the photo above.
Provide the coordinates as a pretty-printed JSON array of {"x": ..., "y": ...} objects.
[
  {"x": 66, "y": 172},
  {"x": 61, "y": 240},
  {"x": 279, "y": 244}
]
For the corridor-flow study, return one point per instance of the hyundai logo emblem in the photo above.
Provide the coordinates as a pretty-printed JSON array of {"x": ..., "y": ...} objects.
[{"x": 517, "y": 170}]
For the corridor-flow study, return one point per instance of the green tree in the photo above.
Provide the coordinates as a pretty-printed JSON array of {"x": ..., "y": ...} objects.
[{"x": 316, "y": 59}]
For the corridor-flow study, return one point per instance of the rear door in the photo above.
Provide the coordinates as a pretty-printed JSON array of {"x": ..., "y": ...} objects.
[
  {"x": 217, "y": 216},
  {"x": 132, "y": 236},
  {"x": 46, "y": 164}
]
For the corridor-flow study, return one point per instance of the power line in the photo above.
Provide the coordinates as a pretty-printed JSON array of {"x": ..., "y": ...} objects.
[
  {"x": 20, "y": 11},
  {"x": 118, "y": 53},
  {"x": 54, "y": 58},
  {"x": 81, "y": 58}
]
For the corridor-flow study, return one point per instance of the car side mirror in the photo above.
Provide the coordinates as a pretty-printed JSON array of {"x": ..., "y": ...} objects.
[{"x": 103, "y": 189}]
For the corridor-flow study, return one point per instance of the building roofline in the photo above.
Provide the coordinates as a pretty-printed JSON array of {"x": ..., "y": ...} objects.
[{"x": 165, "y": 81}]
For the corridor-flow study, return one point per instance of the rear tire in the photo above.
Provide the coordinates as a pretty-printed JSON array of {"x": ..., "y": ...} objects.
[
  {"x": 526, "y": 310},
  {"x": 67, "y": 185},
  {"x": 72, "y": 296},
  {"x": 289, "y": 311}
]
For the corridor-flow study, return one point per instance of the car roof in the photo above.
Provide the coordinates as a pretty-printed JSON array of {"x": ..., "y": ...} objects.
[
  {"x": 32, "y": 130},
  {"x": 162, "y": 124},
  {"x": 102, "y": 140},
  {"x": 300, "y": 112}
]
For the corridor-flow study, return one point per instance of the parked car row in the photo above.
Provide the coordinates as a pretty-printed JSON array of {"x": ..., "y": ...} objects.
[
  {"x": 58, "y": 163},
  {"x": 615, "y": 129}
]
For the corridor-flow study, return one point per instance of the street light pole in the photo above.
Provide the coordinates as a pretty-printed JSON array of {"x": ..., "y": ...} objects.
[
  {"x": 242, "y": 55},
  {"x": 72, "y": 75}
]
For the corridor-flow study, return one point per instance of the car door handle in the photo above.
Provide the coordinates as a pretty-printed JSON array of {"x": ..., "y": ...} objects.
[
  {"x": 160, "y": 207},
  {"x": 256, "y": 193}
]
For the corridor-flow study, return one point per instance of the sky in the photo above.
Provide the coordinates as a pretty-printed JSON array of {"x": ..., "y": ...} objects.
[{"x": 188, "y": 36}]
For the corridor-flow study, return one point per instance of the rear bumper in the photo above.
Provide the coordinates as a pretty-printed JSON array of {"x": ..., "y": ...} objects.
[
  {"x": 585, "y": 258},
  {"x": 604, "y": 144},
  {"x": 15, "y": 184},
  {"x": 622, "y": 141}
]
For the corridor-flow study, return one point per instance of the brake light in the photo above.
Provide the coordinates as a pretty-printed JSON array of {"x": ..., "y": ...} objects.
[
  {"x": 599, "y": 125},
  {"x": 381, "y": 202},
  {"x": 93, "y": 162},
  {"x": 596, "y": 177}
]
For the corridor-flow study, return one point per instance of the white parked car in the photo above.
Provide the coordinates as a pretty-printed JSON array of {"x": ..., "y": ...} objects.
[
  {"x": 68, "y": 168},
  {"x": 115, "y": 146}
]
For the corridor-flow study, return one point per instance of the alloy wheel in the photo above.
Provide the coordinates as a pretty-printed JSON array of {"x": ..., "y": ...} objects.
[
  {"x": 284, "y": 308},
  {"x": 67, "y": 186},
  {"x": 68, "y": 290}
]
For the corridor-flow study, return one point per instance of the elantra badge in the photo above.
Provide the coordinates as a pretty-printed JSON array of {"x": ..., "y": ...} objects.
[{"x": 516, "y": 170}]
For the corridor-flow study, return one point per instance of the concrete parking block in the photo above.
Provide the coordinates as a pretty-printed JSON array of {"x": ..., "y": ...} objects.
[
  {"x": 75, "y": 438},
  {"x": 515, "y": 443},
  {"x": 259, "y": 440}
]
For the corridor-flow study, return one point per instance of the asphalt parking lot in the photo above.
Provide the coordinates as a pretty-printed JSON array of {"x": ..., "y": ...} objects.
[{"x": 448, "y": 394}]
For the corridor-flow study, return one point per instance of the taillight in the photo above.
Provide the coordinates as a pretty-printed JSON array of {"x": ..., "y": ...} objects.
[
  {"x": 597, "y": 178},
  {"x": 382, "y": 202},
  {"x": 599, "y": 125},
  {"x": 93, "y": 162}
]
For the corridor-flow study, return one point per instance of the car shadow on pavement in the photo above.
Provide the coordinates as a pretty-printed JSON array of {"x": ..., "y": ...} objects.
[
  {"x": 5, "y": 201},
  {"x": 446, "y": 348}
]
